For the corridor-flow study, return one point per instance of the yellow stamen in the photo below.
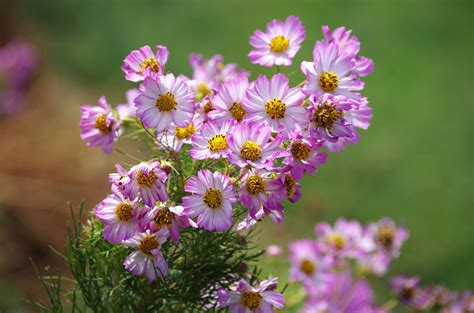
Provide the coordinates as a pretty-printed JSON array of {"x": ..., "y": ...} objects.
[
  {"x": 255, "y": 185},
  {"x": 166, "y": 102},
  {"x": 184, "y": 132},
  {"x": 148, "y": 244},
  {"x": 338, "y": 241},
  {"x": 251, "y": 299},
  {"x": 150, "y": 63},
  {"x": 279, "y": 44},
  {"x": 123, "y": 211},
  {"x": 300, "y": 151},
  {"x": 308, "y": 267},
  {"x": 145, "y": 180},
  {"x": 250, "y": 151},
  {"x": 275, "y": 108},
  {"x": 212, "y": 198},
  {"x": 164, "y": 217},
  {"x": 237, "y": 112},
  {"x": 101, "y": 124},
  {"x": 217, "y": 143},
  {"x": 328, "y": 81},
  {"x": 326, "y": 115},
  {"x": 385, "y": 235}
]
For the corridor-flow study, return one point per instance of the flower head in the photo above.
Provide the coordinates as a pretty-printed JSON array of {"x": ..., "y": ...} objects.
[
  {"x": 99, "y": 127},
  {"x": 175, "y": 137},
  {"x": 211, "y": 142},
  {"x": 147, "y": 258},
  {"x": 211, "y": 200},
  {"x": 279, "y": 44},
  {"x": 385, "y": 236},
  {"x": 331, "y": 73},
  {"x": 147, "y": 181},
  {"x": 164, "y": 100},
  {"x": 259, "y": 190},
  {"x": 227, "y": 102},
  {"x": 245, "y": 298},
  {"x": 303, "y": 156},
  {"x": 334, "y": 120},
  {"x": 307, "y": 263},
  {"x": 119, "y": 216},
  {"x": 272, "y": 102},
  {"x": 342, "y": 240},
  {"x": 142, "y": 63},
  {"x": 166, "y": 216},
  {"x": 251, "y": 144}
]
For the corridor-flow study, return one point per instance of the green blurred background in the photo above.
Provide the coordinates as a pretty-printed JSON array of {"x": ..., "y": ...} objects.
[{"x": 414, "y": 164}]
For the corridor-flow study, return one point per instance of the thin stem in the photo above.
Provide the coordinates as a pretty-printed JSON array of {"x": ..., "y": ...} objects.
[
  {"x": 128, "y": 155},
  {"x": 390, "y": 304}
]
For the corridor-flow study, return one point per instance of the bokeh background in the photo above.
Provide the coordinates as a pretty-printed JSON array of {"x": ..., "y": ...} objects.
[{"x": 414, "y": 164}]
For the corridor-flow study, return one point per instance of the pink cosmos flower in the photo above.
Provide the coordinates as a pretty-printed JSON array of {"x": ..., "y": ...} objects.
[
  {"x": 331, "y": 73},
  {"x": 272, "y": 102},
  {"x": 279, "y": 44},
  {"x": 127, "y": 110},
  {"x": 342, "y": 240},
  {"x": 119, "y": 216},
  {"x": 211, "y": 142},
  {"x": 164, "y": 100},
  {"x": 175, "y": 137},
  {"x": 303, "y": 156},
  {"x": 349, "y": 45},
  {"x": 251, "y": 144},
  {"x": 147, "y": 258},
  {"x": 142, "y": 63},
  {"x": 208, "y": 74},
  {"x": 385, "y": 236},
  {"x": 245, "y": 298},
  {"x": 334, "y": 120},
  {"x": 259, "y": 190},
  {"x": 308, "y": 264},
  {"x": 292, "y": 186},
  {"x": 148, "y": 181},
  {"x": 205, "y": 107},
  {"x": 99, "y": 127},
  {"x": 227, "y": 102},
  {"x": 163, "y": 216},
  {"x": 211, "y": 200}
]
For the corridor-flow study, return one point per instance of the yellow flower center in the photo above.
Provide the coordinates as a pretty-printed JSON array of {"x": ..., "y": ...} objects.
[
  {"x": 338, "y": 241},
  {"x": 300, "y": 151},
  {"x": 123, "y": 211},
  {"x": 326, "y": 115},
  {"x": 251, "y": 299},
  {"x": 328, "y": 81},
  {"x": 203, "y": 89},
  {"x": 148, "y": 244},
  {"x": 237, "y": 112},
  {"x": 101, "y": 124},
  {"x": 308, "y": 267},
  {"x": 385, "y": 235},
  {"x": 150, "y": 63},
  {"x": 164, "y": 217},
  {"x": 250, "y": 151},
  {"x": 166, "y": 102},
  {"x": 217, "y": 143},
  {"x": 184, "y": 132},
  {"x": 212, "y": 198},
  {"x": 145, "y": 180},
  {"x": 255, "y": 185},
  {"x": 279, "y": 44},
  {"x": 208, "y": 107},
  {"x": 275, "y": 108},
  {"x": 289, "y": 185}
]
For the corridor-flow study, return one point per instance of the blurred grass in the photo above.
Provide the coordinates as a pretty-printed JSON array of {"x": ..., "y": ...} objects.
[{"x": 414, "y": 164}]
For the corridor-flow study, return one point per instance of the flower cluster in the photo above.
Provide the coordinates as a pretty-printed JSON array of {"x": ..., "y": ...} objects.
[
  {"x": 333, "y": 268},
  {"x": 426, "y": 298},
  {"x": 225, "y": 147},
  {"x": 17, "y": 63}
]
